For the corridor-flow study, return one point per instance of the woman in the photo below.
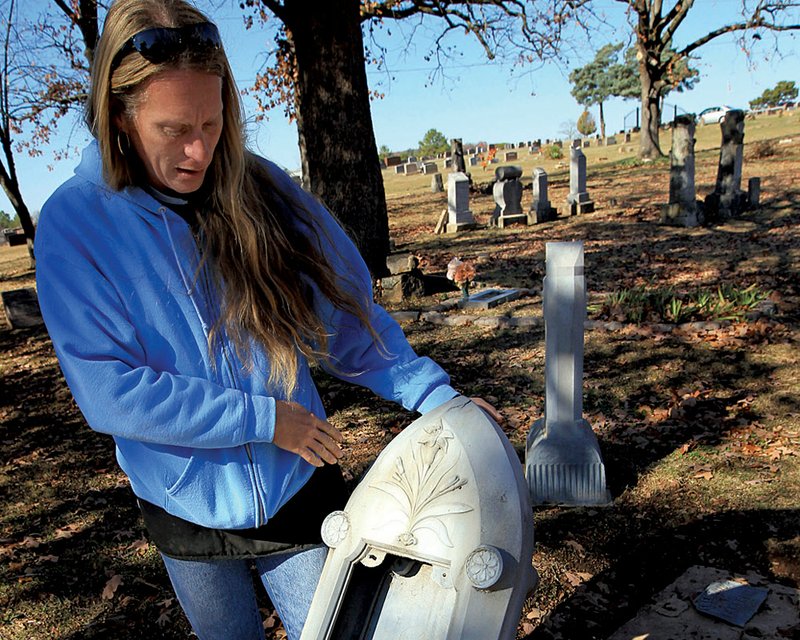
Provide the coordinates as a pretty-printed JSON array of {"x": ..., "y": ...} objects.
[{"x": 188, "y": 286}]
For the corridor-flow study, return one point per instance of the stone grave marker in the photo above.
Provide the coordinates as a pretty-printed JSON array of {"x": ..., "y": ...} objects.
[
  {"x": 507, "y": 192},
  {"x": 578, "y": 199},
  {"x": 437, "y": 185},
  {"x": 458, "y": 155},
  {"x": 563, "y": 460},
  {"x": 459, "y": 216},
  {"x": 429, "y": 168},
  {"x": 473, "y": 161},
  {"x": 511, "y": 155},
  {"x": 411, "y": 168},
  {"x": 682, "y": 209},
  {"x": 435, "y": 542},
  {"x": 753, "y": 192},
  {"x": 611, "y": 140},
  {"x": 489, "y": 298},
  {"x": 540, "y": 210},
  {"x": 728, "y": 200},
  {"x": 400, "y": 168},
  {"x": 22, "y": 308},
  {"x": 412, "y": 159},
  {"x": 448, "y": 163}
]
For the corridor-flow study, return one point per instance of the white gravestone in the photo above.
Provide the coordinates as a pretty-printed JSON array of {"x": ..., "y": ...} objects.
[
  {"x": 459, "y": 217},
  {"x": 540, "y": 210},
  {"x": 563, "y": 461},
  {"x": 578, "y": 198},
  {"x": 436, "y": 541}
]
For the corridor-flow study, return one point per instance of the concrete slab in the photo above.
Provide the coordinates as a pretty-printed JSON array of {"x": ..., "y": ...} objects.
[{"x": 674, "y": 615}]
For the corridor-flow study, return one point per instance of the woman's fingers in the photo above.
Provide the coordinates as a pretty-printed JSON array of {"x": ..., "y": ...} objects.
[
  {"x": 488, "y": 408},
  {"x": 301, "y": 432}
]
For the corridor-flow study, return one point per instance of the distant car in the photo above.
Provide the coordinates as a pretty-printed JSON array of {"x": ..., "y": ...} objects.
[{"x": 713, "y": 115}]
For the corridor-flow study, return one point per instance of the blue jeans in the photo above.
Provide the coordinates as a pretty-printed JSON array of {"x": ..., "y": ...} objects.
[{"x": 219, "y": 598}]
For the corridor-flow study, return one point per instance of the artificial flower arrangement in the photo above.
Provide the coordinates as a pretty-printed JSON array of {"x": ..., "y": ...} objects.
[{"x": 462, "y": 273}]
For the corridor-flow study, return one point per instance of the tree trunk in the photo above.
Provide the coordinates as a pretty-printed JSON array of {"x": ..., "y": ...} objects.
[
  {"x": 602, "y": 125},
  {"x": 337, "y": 143},
  {"x": 649, "y": 146},
  {"x": 10, "y": 185}
]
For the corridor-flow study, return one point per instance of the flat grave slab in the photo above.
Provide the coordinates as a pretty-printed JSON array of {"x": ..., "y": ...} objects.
[
  {"x": 489, "y": 298},
  {"x": 728, "y": 613}
]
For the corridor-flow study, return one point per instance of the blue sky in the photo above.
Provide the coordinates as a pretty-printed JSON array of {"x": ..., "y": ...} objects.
[{"x": 478, "y": 100}]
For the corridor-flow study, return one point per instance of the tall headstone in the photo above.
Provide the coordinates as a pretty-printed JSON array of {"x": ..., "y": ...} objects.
[
  {"x": 540, "y": 211},
  {"x": 458, "y": 155},
  {"x": 683, "y": 209},
  {"x": 507, "y": 192},
  {"x": 753, "y": 192},
  {"x": 563, "y": 461},
  {"x": 436, "y": 541},
  {"x": 578, "y": 199},
  {"x": 437, "y": 186},
  {"x": 728, "y": 200},
  {"x": 459, "y": 217}
]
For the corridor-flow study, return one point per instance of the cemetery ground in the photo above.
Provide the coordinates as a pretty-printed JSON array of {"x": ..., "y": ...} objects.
[{"x": 699, "y": 424}]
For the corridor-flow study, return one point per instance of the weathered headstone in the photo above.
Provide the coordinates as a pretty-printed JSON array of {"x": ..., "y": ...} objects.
[
  {"x": 753, "y": 192},
  {"x": 21, "y": 307},
  {"x": 611, "y": 140},
  {"x": 435, "y": 542},
  {"x": 587, "y": 143},
  {"x": 540, "y": 210},
  {"x": 400, "y": 168},
  {"x": 563, "y": 461},
  {"x": 507, "y": 192},
  {"x": 473, "y": 161},
  {"x": 437, "y": 186},
  {"x": 511, "y": 155},
  {"x": 683, "y": 209},
  {"x": 578, "y": 199},
  {"x": 459, "y": 217},
  {"x": 412, "y": 159},
  {"x": 429, "y": 168},
  {"x": 458, "y": 155},
  {"x": 411, "y": 168},
  {"x": 448, "y": 163},
  {"x": 728, "y": 199},
  {"x": 627, "y": 137}
]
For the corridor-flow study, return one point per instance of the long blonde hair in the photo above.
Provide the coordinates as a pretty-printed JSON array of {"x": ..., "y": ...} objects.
[{"x": 262, "y": 244}]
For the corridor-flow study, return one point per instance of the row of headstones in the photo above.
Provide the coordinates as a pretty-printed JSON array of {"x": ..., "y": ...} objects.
[
  {"x": 507, "y": 193},
  {"x": 727, "y": 200},
  {"x": 474, "y": 153}
]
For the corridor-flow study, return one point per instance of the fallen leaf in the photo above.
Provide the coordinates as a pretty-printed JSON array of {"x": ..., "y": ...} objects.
[
  {"x": 111, "y": 587},
  {"x": 705, "y": 475},
  {"x": 139, "y": 546},
  {"x": 575, "y": 545},
  {"x": 527, "y": 628}
]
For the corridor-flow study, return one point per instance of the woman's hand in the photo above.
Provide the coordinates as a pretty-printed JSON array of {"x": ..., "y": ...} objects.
[
  {"x": 301, "y": 432},
  {"x": 494, "y": 413}
]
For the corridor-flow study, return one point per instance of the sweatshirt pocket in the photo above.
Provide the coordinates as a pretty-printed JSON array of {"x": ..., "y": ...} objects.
[{"x": 215, "y": 490}]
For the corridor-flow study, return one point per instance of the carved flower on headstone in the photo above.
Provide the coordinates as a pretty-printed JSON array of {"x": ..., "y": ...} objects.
[{"x": 421, "y": 484}]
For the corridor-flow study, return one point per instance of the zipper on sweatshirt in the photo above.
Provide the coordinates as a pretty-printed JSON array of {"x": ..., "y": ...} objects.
[{"x": 261, "y": 516}]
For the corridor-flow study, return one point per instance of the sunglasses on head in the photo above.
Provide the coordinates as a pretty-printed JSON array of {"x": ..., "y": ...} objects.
[{"x": 161, "y": 44}]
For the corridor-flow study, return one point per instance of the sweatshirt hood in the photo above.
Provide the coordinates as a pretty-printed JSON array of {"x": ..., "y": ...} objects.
[{"x": 90, "y": 169}]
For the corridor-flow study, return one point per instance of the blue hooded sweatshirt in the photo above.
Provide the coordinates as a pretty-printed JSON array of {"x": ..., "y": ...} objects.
[{"x": 130, "y": 321}]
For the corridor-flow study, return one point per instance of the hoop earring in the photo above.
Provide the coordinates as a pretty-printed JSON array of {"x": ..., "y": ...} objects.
[{"x": 122, "y": 146}]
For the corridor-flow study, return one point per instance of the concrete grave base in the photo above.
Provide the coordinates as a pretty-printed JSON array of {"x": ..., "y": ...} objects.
[
  {"x": 673, "y": 615},
  {"x": 504, "y": 221},
  {"x": 576, "y": 208},
  {"x": 460, "y": 226}
]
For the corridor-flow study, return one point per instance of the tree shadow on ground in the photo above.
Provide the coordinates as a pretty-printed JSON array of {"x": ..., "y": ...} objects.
[{"x": 653, "y": 551}]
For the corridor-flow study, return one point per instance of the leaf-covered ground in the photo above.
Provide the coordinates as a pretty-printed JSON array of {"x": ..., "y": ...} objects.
[{"x": 700, "y": 430}]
